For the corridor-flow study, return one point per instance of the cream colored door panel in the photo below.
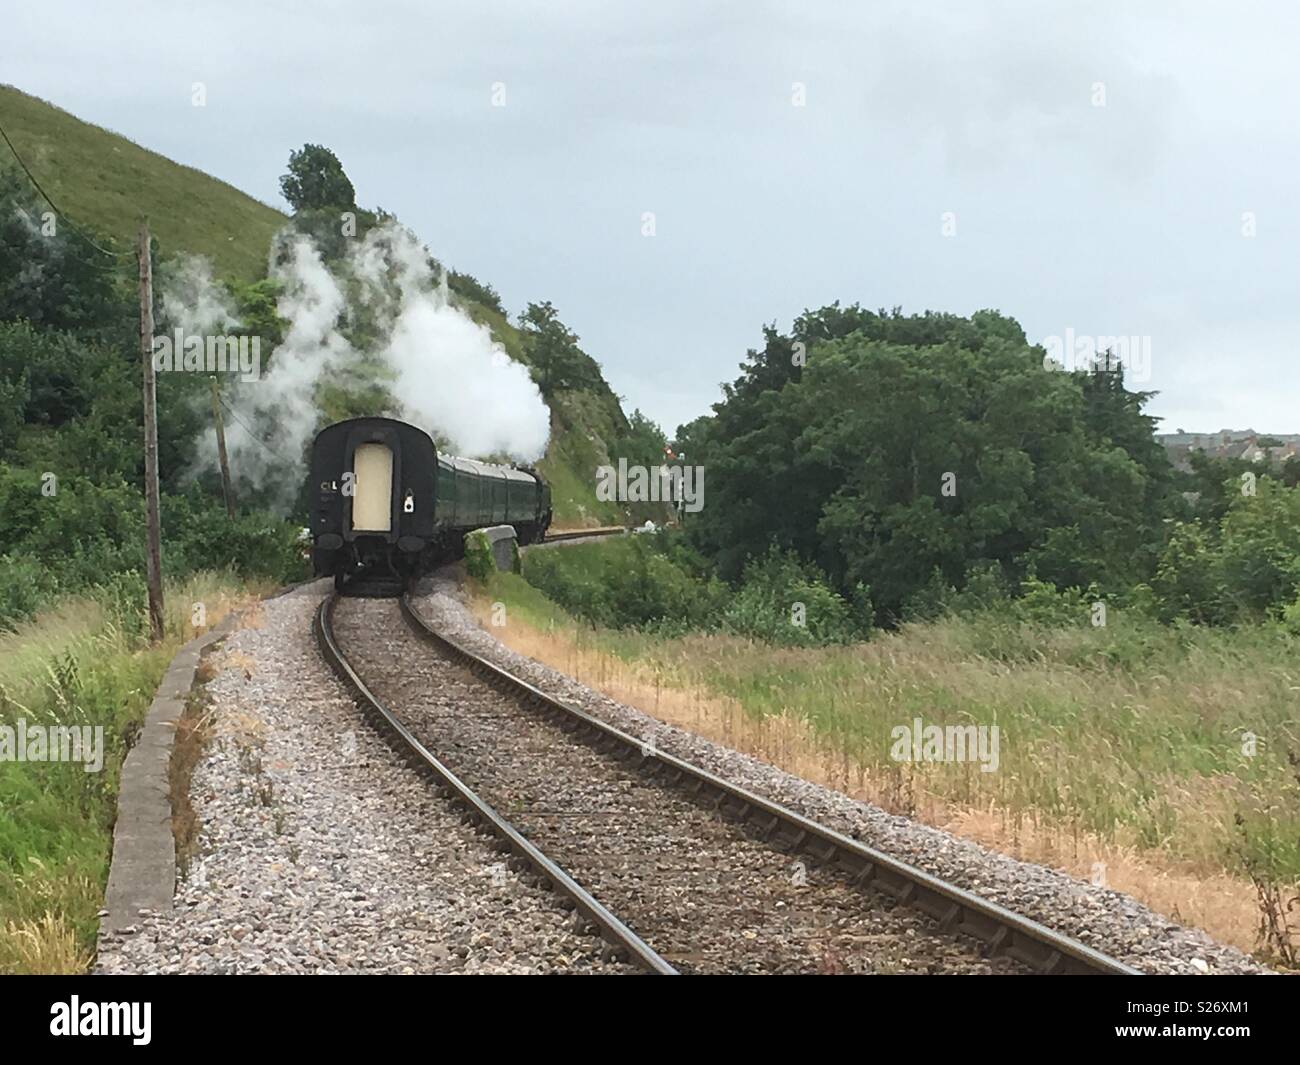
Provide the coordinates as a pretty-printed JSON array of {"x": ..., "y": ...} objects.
[{"x": 372, "y": 505}]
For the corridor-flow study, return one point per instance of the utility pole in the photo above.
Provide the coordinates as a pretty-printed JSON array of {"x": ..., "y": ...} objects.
[
  {"x": 153, "y": 530},
  {"x": 221, "y": 450}
]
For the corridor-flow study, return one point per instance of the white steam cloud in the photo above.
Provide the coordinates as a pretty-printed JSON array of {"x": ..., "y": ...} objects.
[
  {"x": 454, "y": 380},
  {"x": 447, "y": 374},
  {"x": 192, "y": 300}
]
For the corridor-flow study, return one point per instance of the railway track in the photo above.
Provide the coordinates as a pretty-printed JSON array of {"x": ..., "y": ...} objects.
[
  {"x": 624, "y": 943},
  {"x": 716, "y": 878},
  {"x": 554, "y": 536}
]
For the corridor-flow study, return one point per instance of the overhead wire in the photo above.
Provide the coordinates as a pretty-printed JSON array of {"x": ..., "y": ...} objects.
[
  {"x": 63, "y": 215},
  {"x": 245, "y": 426}
]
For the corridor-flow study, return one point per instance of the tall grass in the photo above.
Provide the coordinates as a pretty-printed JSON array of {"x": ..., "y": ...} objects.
[
  {"x": 1176, "y": 742},
  {"x": 84, "y": 662}
]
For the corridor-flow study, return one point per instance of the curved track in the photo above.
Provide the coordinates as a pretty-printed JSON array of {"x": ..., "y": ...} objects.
[
  {"x": 623, "y": 942},
  {"x": 609, "y": 804}
]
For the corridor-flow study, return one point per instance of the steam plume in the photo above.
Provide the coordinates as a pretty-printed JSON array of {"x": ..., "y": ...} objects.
[{"x": 378, "y": 316}]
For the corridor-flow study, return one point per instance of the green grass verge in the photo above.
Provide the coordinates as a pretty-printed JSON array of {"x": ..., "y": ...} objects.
[
  {"x": 1174, "y": 739},
  {"x": 80, "y": 663}
]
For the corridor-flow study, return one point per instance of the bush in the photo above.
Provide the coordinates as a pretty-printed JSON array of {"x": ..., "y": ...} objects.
[
  {"x": 472, "y": 288},
  {"x": 660, "y": 584},
  {"x": 89, "y": 535},
  {"x": 1291, "y": 617},
  {"x": 783, "y": 600},
  {"x": 479, "y": 562},
  {"x": 1259, "y": 554},
  {"x": 197, "y": 535},
  {"x": 1249, "y": 571},
  {"x": 931, "y": 601},
  {"x": 633, "y": 582},
  {"x": 26, "y": 586},
  {"x": 1041, "y": 603}
]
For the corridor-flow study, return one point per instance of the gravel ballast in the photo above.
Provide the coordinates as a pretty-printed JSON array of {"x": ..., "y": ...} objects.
[
  {"x": 321, "y": 852},
  {"x": 1106, "y": 920}
]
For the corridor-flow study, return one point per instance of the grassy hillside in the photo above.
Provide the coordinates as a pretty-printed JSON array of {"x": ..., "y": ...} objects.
[{"x": 105, "y": 181}]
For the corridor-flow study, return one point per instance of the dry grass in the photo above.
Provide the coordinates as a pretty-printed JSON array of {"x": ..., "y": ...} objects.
[
  {"x": 193, "y": 731},
  {"x": 47, "y": 946},
  {"x": 1195, "y": 893}
]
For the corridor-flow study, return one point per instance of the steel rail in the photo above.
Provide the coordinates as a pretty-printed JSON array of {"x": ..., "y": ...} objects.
[
  {"x": 956, "y": 909},
  {"x": 621, "y": 939},
  {"x": 554, "y": 536}
]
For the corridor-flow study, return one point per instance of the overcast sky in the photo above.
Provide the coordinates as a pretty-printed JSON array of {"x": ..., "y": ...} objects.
[{"x": 1126, "y": 218}]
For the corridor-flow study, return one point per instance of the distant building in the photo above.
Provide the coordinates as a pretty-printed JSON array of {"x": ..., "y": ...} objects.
[{"x": 1230, "y": 444}]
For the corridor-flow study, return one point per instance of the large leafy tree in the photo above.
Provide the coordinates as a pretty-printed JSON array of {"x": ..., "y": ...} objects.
[
  {"x": 552, "y": 350},
  {"x": 316, "y": 181},
  {"x": 887, "y": 447}
]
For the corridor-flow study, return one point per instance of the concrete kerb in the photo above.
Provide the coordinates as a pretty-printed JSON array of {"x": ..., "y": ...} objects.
[{"x": 142, "y": 876}]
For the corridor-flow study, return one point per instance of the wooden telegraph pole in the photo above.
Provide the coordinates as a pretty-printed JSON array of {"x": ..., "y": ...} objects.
[
  {"x": 221, "y": 450},
  {"x": 153, "y": 530}
]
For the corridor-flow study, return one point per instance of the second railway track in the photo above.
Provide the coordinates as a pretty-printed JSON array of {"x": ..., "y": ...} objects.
[{"x": 713, "y": 879}]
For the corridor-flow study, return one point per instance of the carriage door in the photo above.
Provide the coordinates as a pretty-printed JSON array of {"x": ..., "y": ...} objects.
[{"x": 372, "y": 505}]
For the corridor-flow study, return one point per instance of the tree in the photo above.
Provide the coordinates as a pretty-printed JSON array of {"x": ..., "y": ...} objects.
[
  {"x": 471, "y": 288},
  {"x": 316, "y": 181},
  {"x": 889, "y": 447},
  {"x": 692, "y": 440},
  {"x": 54, "y": 372},
  {"x": 53, "y": 275},
  {"x": 557, "y": 361},
  {"x": 643, "y": 442}
]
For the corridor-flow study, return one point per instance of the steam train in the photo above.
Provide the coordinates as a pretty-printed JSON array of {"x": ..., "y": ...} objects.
[{"x": 386, "y": 506}]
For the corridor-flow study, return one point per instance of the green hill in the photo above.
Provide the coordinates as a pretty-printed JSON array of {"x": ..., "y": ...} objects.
[{"x": 104, "y": 181}]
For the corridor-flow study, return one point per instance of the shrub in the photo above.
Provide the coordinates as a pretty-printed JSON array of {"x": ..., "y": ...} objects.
[
  {"x": 634, "y": 582},
  {"x": 930, "y": 601},
  {"x": 1259, "y": 554},
  {"x": 198, "y": 535},
  {"x": 783, "y": 600},
  {"x": 25, "y": 587},
  {"x": 473, "y": 289},
  {"x": 479, "y": 562},
  {"x": 1247, "y": 572},
  {"x": 1041, "y": 603}
]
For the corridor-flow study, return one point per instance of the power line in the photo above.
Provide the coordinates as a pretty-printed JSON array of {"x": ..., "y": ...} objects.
[
  {"x": 244, "y": 425},
  {"x": 54, "y": 207}
]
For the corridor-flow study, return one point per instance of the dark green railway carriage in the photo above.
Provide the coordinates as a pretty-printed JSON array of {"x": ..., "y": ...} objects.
[
  {"x": 473, "y": 494},
  {"x": 385, "y": 502}
]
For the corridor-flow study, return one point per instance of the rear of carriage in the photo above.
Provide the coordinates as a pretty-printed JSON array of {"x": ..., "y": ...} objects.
[
  {"x": 373, "y": 499},
  {"x": 387, "y": 505}
]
